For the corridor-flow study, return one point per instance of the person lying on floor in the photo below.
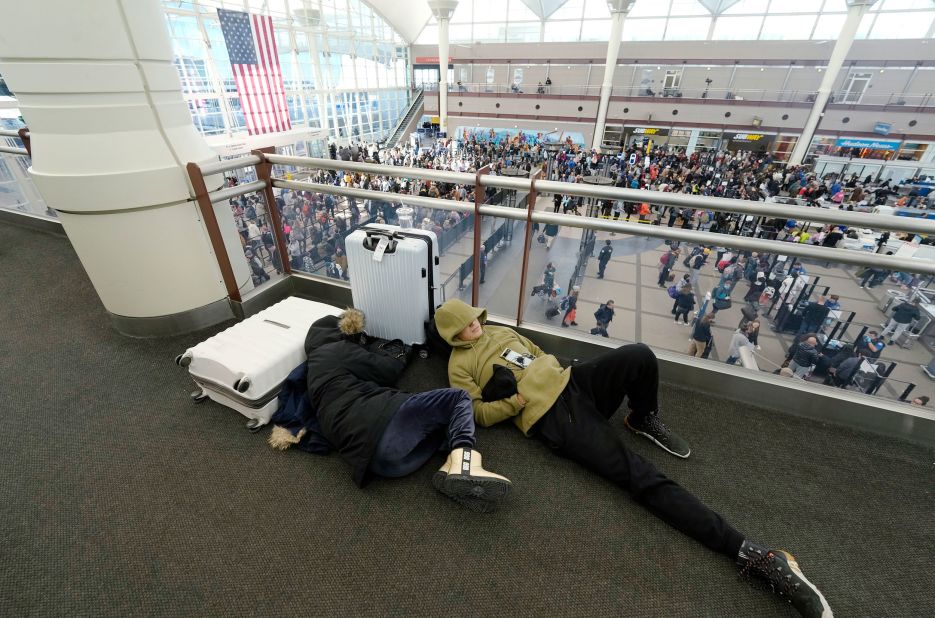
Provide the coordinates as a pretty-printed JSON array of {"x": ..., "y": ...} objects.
[
  {"x": 346, "y": 402},
  {"x": 568, "y": 408}
]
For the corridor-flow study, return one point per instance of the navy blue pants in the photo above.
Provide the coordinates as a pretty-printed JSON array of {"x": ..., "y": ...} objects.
[{"x": 424, "y": 424}]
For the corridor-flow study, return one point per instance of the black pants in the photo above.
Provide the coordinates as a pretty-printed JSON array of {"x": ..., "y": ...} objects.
[{"x": 577, "y": 427}]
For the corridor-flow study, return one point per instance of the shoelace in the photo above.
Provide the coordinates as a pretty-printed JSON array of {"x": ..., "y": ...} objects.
[{"x": 762, "y": 571}]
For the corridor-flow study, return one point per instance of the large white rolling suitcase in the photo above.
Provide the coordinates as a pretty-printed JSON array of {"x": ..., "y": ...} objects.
[
  {"x": 394, "y": 279},
  {"x": 244, "y": 366}
]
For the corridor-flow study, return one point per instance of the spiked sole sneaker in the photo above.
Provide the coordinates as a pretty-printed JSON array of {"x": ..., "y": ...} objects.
[
  {"x": 467, "y": 480},
  {"x": 779, "y": 570},
  {"x": 653, "y": 429}
]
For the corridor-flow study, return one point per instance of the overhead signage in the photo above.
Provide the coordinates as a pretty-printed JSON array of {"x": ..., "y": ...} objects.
[
  {"x": 757, "y": 142},
  {"x": 750, "y": 137},
  {"x": 650, "y": 131},
  {"x": 883, "y": 128},
  {"x": 867, "y": 143},
  {"x": 429, "y": 60}
]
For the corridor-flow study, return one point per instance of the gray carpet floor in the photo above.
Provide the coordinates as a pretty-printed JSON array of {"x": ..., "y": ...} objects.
[{"x": 119, "y": 496}]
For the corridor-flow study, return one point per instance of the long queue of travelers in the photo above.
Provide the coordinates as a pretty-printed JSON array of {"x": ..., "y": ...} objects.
[{"x": 315, "y": 224}]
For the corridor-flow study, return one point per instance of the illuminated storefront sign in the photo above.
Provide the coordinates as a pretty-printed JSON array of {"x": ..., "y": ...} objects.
[
  {"x": 650, "y": 131},
  {"x": 866, "y": 143}
]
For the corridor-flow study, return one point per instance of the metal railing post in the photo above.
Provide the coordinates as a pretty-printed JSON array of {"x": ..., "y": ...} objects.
[
  {"x": 24, "y": 137},
  {"x": 214, "y": 231},
  {"x": 527, "y": 243},
  {"x": 480, "y": 194},
  {"x": 264, "y": 172}
]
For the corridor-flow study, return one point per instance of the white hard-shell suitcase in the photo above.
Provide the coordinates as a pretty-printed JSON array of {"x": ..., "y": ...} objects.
[
  {"x": 244, "y": 366},
  {"x": 394, "y": 282}
]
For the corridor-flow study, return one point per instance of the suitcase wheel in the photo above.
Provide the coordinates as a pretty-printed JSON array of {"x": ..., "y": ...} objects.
[
  {"x": 242, "y": 385},
  {"x": 254, "y": 425},
  {"x": 183, "y": 360},
  {"x": 198, "y": 396}
]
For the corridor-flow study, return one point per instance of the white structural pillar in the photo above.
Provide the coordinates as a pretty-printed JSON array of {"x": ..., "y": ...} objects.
[
  {"x": 855, "y": 12},
  {"x": 443, "y": 10},
  {"x": 111, "y": 135},
  {"x": 618, "y": 12}
]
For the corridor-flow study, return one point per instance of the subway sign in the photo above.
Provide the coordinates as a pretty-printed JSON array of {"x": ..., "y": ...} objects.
[
  {"x": 747, "y": 137},
  {"x": 650, "y": 131}
]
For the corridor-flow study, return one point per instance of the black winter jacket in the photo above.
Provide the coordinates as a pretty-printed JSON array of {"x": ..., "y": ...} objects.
[
  {"x": 350, "y": 387},
  {"x": 906, "y": 313}
]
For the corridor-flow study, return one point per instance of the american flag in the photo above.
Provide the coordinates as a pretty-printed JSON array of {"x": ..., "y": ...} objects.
[{"x": 252, "y": 50}]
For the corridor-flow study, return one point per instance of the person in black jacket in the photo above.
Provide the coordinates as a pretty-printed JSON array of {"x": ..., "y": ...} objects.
[
  {"x": 904, "y": 315},
  {"x": 603, "y": 315},
  {"x": 684, "y": 303},
  {"x": 805, "y": 356},
  {"x": 379, "y": 430},
  {"x": 603, "y": 257},
  {"x": 701, "y": 336}
]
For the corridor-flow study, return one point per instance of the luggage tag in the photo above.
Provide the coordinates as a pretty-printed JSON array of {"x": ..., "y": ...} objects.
[{"x": 380, "y": 249}]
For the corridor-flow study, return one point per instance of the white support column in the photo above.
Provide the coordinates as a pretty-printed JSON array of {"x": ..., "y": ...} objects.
[
  {"x": 618, "y": 12},
  {"x": 692, "y": 141},
  {"x": 443, "y": 10},
  {"x": 855, "y": 12},
  {"x": 111, "y": 135}
]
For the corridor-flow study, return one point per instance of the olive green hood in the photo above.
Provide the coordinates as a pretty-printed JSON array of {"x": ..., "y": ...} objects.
[{"x": 452, "y": 317}]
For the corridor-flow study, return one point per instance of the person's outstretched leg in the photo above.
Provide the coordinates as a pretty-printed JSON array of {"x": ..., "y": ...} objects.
[
  {"x": 577, "y": 429},
  {"x": 573, "y": 428},
  {"x": 631, "y": 371}
]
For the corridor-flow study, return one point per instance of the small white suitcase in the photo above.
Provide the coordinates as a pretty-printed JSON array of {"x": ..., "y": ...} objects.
[
  {"x": 396, "y": 288},
  {"x": 244, "y": 366}
]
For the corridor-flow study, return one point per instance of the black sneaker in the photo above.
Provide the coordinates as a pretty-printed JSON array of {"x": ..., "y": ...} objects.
[
  {"x": 653, "y": 429},
  {"x": 778, "y": 570}
]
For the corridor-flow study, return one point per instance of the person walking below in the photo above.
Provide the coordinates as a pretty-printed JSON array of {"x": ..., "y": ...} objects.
[
  {"x": 752, "y": 297},
  {"x": 603, "y": 257},
  {"x": 569, "y": 305},
  {"x": 603, "y": 315},
  {"x": 551, "y": 231},
  {"x": 741, "y": 339},
  {"x": 701, "y": 336},
  {"x": 666, "y": 262},
  {"x": 679, "y": 285},
  {"x": 904, "y": 315},
  {"x": 805, "y": 356},
  {"x": 695, "y": 264},
  {"x": 548, "y": 281},
  {"x": 684, "y": 303}
]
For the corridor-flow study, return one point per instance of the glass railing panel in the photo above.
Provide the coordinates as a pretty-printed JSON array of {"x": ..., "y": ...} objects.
[
  {"x": 18, "y": 193},
  {"x": 256, "y": 232}
]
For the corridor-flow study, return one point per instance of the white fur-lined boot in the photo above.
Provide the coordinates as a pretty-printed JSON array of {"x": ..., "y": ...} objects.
[{"x": 463, "y": 478}]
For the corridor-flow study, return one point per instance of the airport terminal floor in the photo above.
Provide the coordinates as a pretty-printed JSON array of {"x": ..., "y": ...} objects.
[{"x": 119, "y": 496}]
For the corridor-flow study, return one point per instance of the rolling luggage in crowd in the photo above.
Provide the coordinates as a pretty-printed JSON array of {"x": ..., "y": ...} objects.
[
  {"x": 244, "y": 366},
  {"x": 394, "y": 279}
]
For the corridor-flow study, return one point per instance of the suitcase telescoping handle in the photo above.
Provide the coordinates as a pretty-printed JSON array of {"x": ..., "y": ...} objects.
[{"x": 375, "y": 236}]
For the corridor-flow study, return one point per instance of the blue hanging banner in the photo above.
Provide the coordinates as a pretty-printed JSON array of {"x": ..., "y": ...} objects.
[{"x": 882, "y": 128}]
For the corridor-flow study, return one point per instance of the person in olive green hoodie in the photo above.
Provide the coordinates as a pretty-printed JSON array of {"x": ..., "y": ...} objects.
[{"x": 568, "y": 408}]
